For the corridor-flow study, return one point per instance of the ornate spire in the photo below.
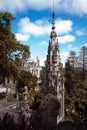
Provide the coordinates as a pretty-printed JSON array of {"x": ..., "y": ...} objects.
[
  {"x": 53, "y": 15},
  {"x": 53, "y": 33}
]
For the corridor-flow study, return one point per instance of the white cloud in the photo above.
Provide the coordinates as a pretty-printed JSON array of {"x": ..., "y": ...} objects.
[
  {"x": 66, "y": 38},
  {"x": 33, "y": 28},
  {"x": 71, "y": 48},
  {"x": 42, "y": 61},
  {"x": 63, "y": 26},
  {"x": 71, "y": 6},
  {"x": 84, "y": 45},
  {"x": 12, "y": 5},
  {"x": 82, "y": 31},
  {"x": 38, "y": 28},
  {"x": 21, "y": 5},
  {"x": 43, "y": 43},
  {"x": 74, "y": 6},
  {"x": 22, "y": 37},
  {"x": 40, "y": 4},
  {"x": 64, "y": 56}
]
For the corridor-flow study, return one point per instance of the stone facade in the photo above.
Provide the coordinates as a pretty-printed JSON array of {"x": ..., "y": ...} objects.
[
  {"x": 8, "y": 86},
  {"x": 52, "y": 81},
  {"x": 33, "y": 67}
]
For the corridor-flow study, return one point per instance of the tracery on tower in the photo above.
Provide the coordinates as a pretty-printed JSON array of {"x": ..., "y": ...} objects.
[{"x": 52, "y": 81}]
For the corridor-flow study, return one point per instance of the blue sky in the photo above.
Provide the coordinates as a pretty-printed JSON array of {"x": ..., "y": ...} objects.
[{"x": 32, "y": 25}]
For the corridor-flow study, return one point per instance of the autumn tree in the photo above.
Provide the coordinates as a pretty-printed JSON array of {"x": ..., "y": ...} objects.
[{"x": 11, "y": 51}]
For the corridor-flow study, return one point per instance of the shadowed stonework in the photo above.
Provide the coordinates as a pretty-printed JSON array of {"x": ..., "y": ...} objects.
[{"x": 52, "y": 76}]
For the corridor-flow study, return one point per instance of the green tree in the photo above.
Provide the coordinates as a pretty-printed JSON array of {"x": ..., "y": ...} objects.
[
  {"x": 81, "y": 100},
  {"x": 26, "y": 79},
  {"x": 75, "y": 94},
  {"x": 70, "y": 78}
]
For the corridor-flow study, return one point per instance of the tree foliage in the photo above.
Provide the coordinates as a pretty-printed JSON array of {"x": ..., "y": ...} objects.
[
  {"x": 75, "y": 93},
  {"x": 72, "y": 57},
  {"x": 26, "y": 79},
  {"x": 83, "y": 58},
  {"x": 11, "y": 51}
]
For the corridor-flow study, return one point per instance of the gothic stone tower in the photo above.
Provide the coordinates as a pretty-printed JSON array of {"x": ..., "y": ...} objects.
[{"x": 53, "y": 82}]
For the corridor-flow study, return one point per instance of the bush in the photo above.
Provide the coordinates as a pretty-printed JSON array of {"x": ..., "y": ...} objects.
[
  {"x": 11, "y": 96},
  {"x": 20, "y": 96},
  {"x": 74, "y": 116},
  {"x": 2, "y": 95}
]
